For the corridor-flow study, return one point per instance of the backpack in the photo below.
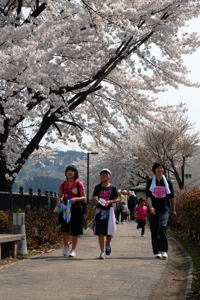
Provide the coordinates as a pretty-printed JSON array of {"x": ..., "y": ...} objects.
[{"x": 81, "y": 204}]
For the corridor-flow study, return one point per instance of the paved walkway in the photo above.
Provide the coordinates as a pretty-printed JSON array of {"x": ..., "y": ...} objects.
[{"x": 130, "y": 272}]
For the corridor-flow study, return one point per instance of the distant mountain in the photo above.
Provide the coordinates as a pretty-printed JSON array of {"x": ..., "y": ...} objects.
[{"x": 34, "y": 176}]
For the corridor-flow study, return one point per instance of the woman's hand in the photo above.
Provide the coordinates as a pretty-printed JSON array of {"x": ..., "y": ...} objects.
[
  {"x": 94, "y": 198},
  {"x": 152, "y": 210},
  {"x": 73, "y": 200},
  {"x": 107, "y": 203},
  {"x": 59, "y": 202},
  {"x": 174, "y": 214}
]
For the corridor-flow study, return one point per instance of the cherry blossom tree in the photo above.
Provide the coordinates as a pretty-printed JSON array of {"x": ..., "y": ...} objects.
[
  {"x": 174, "y": 145},
  {"x": 173, "y": 141},
  {"x": 69, "y": 67}
]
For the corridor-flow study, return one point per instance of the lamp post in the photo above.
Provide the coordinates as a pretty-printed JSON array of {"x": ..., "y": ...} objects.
[{"x": 88, "y": 158}]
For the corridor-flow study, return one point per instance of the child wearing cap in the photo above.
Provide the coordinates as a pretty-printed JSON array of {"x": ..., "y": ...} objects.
[
  {"x": 140, "y": 213},
  {"x": 104, "y": 221}
]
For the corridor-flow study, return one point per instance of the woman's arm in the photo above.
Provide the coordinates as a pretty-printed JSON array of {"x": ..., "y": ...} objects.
[
  {"x": 81, "y": 198},
  {"x": 151, "y": 208},
  {"x": 135, "y": 214},
  {"x": 173, "y": 207},
  {"x": 59, "y": 200},
  {"x": 116, "y": 200}
]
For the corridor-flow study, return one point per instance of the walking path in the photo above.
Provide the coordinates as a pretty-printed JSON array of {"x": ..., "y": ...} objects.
[{"x": 130, "y": 272}]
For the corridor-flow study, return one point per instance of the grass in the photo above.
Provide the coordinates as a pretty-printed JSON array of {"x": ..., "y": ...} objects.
[
  {"x": 192, "y": 247},
  {"x": 90, "y": 224}
]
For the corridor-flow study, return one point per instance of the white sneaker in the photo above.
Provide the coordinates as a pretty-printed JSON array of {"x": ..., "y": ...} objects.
[
  {"x": 158, "y": 255},
  {"x": 72, "y": 253},
  {"x": 65, "y": 250},
  {"x": 164, "y": 255}
]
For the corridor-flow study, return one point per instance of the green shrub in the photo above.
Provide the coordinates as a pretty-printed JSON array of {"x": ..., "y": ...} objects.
[
  {"x": 6, "y": 222},
  {"x": 42, "y": 227},
  {"x": 188, "y": 209},
  {"x": 90, "y": 214}
]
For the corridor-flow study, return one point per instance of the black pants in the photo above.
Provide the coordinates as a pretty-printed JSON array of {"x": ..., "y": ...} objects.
[
  {"x": 119, "y": 211},
  {"x": 141, "y": 224},
  {"x": 158, "y": 227},
  {"x": 132, "y": 213}
]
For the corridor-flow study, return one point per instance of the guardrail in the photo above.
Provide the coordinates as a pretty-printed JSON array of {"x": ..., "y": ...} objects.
[{"x": 11, "y": 200}]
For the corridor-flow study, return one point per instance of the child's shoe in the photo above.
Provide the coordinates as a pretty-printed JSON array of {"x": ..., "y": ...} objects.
[
  {"x": 65, "y": 250},
  {"x": 102, "y": 255},
  {"x": 108, "y": 249},
  {"x": 72, "y": 253}
]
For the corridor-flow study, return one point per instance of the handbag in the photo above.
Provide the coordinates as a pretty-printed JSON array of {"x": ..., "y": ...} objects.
[
  {"x": 125, "y": 208},
  {"x": 56, "y": 209},
  {"x": 83, "y": 207}
]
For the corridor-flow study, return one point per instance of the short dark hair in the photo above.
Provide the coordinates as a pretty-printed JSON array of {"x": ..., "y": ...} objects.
[
  {"x": 156, "y": 165},
  {"x": 73, "y": 168},
  {"x": 141, "y": 199}
]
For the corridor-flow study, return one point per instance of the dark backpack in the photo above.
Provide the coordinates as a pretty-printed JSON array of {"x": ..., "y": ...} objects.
[{"x": 81, "y": 204}]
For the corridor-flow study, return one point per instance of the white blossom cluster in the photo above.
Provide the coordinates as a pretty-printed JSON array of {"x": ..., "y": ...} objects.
[
  {"x": 85, "y": 66},
  {"x": 172, "y": 141}
]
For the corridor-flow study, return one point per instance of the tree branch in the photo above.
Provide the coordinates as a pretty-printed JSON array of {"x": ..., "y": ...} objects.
[{"x": 36, "y": 12}]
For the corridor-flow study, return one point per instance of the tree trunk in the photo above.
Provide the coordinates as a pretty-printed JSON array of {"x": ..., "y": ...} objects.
[{"x": 5, "y": 185}]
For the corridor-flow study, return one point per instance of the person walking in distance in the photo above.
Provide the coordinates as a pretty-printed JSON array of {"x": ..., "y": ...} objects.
[
  {"x": 74, "y": 191},
  {"x": 105, "y": 194},
  {"x": 125, "y": 205},
  {"x": 141, "y": 213},
  {"x": 119, "y": 207},
  {"x": 132, "y": 202}
]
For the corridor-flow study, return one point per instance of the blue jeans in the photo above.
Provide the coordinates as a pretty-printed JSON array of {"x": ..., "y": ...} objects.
[{"x": 158, "y": 227}]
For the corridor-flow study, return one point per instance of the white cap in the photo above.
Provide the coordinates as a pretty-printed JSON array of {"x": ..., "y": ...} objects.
[{"x": 105, "y": 170}]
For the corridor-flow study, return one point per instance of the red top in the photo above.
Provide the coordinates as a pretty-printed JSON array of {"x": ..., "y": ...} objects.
[
  {"x": 141, "y": 212},
  {"x": 71, "y": 192}
]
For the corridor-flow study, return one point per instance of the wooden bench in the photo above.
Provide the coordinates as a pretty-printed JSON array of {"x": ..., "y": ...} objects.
[{"x": 8, "y": 244}]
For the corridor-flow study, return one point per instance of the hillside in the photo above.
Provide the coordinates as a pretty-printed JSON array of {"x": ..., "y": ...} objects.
[{"x": 49, "y": 177}]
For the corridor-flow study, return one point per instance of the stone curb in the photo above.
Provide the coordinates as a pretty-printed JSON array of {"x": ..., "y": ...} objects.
[{"x": 190, "y": 271}]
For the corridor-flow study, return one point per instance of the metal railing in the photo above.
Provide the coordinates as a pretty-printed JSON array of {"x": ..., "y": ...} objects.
[{"x": 13, "y": 200}]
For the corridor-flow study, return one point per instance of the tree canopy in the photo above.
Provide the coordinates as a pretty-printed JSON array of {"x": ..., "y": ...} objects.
[
  {"x": 172, "y": 141},
  {"x": 76, "y": 66},
  {"x": 174, "y": 145}
]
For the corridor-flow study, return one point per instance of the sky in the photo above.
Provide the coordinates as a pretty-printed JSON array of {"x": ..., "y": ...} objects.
[{"x": 189, "y": 96}]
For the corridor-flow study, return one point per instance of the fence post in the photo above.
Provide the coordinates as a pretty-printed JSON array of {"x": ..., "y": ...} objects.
[
  {"x": 10, "y": 196},
  {"x": 19, "y": 228},
  {"x": 51, "y": 200},
  {"x": 47, "y": 195},
  {"x": 31, "y": 193},
  {"x": 40, "y": 198},
  {"x": 55, "y": 202},
  {"x": 21, "y": 192}
]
